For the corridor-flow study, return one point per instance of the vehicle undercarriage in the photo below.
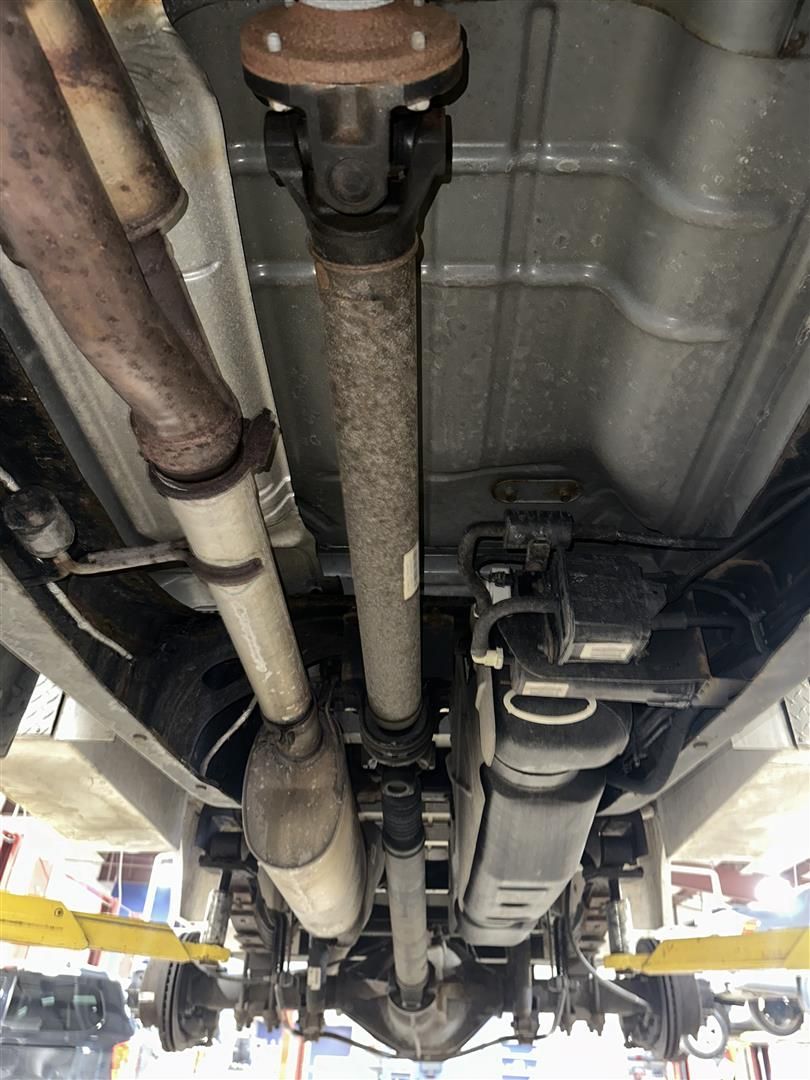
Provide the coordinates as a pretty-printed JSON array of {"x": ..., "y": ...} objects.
[{"x": 419, "y": 633}]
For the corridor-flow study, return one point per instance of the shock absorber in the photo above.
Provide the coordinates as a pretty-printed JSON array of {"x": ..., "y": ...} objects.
[{"x": 352, "y": 133}]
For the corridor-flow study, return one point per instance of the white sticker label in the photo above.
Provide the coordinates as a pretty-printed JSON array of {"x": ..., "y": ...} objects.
[
  {"x": 313, "y": 978},
  {"x": 610, "y": 652},
  {"x": 410, "y": 571}
]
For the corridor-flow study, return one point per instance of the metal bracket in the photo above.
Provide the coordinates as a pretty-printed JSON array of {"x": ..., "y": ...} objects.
[
  {"x": 224, "y": 575},
  {"x": 256, "y": 449}
]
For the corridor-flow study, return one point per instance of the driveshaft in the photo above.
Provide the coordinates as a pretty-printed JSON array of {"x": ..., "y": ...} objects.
[{"x": 363, "y": 170}]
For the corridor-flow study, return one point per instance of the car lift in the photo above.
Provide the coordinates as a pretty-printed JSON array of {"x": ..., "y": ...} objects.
[
  {"x": 35, "y": 920},
  {"x": 786, "y": 949}
]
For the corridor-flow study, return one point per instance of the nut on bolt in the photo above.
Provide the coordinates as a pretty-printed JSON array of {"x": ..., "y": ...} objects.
[{"x": 39, "y": 521}]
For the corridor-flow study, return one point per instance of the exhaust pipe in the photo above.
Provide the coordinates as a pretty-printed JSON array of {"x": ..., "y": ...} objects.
[
  {"x": 117, "y": 133},
  {"x": 363, "y": 169},
  {"x": 62, "y": 225},
  {"x": 105, "y": 107},
  {"x": 59, "y": 223}
]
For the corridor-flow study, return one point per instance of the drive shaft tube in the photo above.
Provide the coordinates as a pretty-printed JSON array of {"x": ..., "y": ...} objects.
[
  {"x": 369, "y": 319},
  {"x": 363, "y": 170}
]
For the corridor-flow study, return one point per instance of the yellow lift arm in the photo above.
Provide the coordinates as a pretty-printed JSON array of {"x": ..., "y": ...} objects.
[
  {"x": 34, "y": 920},
  {"x": 787, "y": 949}
]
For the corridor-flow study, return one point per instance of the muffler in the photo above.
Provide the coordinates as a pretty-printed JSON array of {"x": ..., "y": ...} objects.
[{"x": 60, "y": 222}]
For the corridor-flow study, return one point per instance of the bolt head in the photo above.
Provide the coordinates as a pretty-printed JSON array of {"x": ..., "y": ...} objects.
[
  {"x": 274, "y": 42},
  {"x": 418, "y": 41}
]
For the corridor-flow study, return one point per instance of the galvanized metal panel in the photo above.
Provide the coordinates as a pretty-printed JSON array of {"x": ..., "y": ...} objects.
[
  {"x": 614, "y": 286},
  {"x": 614, "y": 283}
]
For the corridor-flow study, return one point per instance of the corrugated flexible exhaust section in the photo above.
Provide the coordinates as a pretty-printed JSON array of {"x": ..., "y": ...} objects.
[
  {"x": 404, "y": 843},
  {"x": 59, "y": 222}
]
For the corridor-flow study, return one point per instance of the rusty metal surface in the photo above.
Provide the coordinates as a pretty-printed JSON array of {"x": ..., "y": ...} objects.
[
  {"x": 369, "y": 318},
  {"x": 62, "y": 227},
  {"x": 207, "y": 250},
  {"x": 136, "y": 174},
  {"x": 399, "y": 43},
  {"x": 165, "y": 282}
]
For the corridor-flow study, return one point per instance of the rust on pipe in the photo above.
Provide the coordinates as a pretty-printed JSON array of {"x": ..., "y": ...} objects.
[
  {"x": 165, "y": 282},
  {"x": 62, "y": 227},
  {"x": 106, "y": 109},
  {"x": 126, "y": 153}
]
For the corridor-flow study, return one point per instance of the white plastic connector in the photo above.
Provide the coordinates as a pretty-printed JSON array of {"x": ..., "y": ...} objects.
[{"x": 491, "y": 658}]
